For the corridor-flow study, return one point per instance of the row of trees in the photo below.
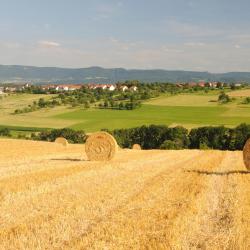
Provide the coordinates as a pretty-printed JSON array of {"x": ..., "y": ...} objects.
[
  {"x": 116, "y": 99},
  {"x": 71, "y": 135},
  {"x": 100, "y": 98},
  {"x": 130, "y": 105},
  {"x": 160, "y": 137},
  {"x": 163, "y": 137},
  {"x": 5, "y": 132},
  {"x": 41, "y": 103}
]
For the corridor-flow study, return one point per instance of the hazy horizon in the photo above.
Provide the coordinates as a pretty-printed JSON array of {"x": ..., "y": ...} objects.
[
  {"x": 211, "y": 36},
  {"x": 97, "y": 66}
]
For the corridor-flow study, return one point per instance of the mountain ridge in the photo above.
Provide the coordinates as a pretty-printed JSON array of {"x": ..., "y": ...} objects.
[{"x": 96, "y": 74}]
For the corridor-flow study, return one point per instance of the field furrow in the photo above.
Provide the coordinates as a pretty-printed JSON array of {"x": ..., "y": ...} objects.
[
  {"x": 149, "y": 216},
  {"x": 222, "y": 209},
  {"x": 141, "y": 199}
]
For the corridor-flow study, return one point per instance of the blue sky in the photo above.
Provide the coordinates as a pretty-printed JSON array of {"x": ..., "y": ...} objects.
[{"x": 198, "y": 35}]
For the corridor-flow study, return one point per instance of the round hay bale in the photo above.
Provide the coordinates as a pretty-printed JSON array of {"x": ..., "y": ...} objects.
[
  {"x": 246, "y": 154},
  {"x": 136, "y": 147},
  {"x": 62, "y": 141},
  {"x": 101, "y": 146}
]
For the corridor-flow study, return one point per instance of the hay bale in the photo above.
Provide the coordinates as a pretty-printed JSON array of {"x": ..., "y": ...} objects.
[
  {"x": 136, "y": 147},
  {"x": 62, "y": 141},
  {"x": 101, "y": 146},
  {"x": 246, "y": 154}
]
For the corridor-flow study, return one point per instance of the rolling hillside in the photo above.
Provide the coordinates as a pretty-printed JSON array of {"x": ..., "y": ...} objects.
[
  {"x": 53, "y": 198},
  {"x": 16, "y": 73},
  {"x": 188, "y": 110}
]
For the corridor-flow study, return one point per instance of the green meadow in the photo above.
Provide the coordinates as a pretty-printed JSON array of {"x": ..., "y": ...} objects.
[{"x": 189, "y": 110}]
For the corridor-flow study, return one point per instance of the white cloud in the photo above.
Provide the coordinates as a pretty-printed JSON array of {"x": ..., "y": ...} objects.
[
  {"x": 49, "y": 44},
  {"x": 122, "y": 45},
  {"x": 189, "y": 30},
  {"x": 113, "y": 40},
  {"x": 171, "y": 50},
  {"x": 113, "y": 52}
]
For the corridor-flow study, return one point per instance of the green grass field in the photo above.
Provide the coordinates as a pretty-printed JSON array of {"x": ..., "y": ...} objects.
[
  {"x": 187, "y": 100},
  {"x": 92, "y": 120},
  {"x": 189, "y": 110}
]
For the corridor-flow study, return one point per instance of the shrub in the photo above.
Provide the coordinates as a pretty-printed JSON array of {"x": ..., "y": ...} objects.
[
  {"x": 246, "y": 100},
  {"x": 71, "y": 135},
  {"x": 168, "y": 144},
  {"x": 238, "y": 137},
  {"x": 212, "y": 137},
  {"x": 224, "y": 98},
  {"x": 5, "y": 132},
  {"x": 160, "y": 136},
  {"x": 150, "y": 137}
]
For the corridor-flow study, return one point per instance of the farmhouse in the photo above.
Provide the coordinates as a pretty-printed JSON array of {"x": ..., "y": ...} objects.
[
  {"x": 133, "y": 88},
  {"x": 212, "y": 84},
  {"x": 62, "y": 87},
  {"x": 111, "y": 87},
  {"x": 192, "y": 84},
  {"x": 124, "y": 88},
  {"x": 201, "y": 84},
  {"x": 74, "y": 87},
  {"x": 238, "y": 85},
  {"x": 103, "y": 86},
  {"x": 47, "y": 87},
  {"x": 10, "y": 89},
  {"x": 93, "y": 86},
  {"x": 1, "y": 90}
]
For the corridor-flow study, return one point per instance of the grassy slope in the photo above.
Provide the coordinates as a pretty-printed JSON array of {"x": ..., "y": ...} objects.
[
  {"x": 38, "y": 119},
  {"x": 240, "y": 93},
  {"x": 194, "y": 100},
  {"x": 189, "y": 110},
  {"x": 92, "y": 120}
]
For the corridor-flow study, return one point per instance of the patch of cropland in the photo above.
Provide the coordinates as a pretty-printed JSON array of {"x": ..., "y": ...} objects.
[
  {"x": 188, "y": 110},
  {"x": 188, "y": 116},
  {"x": 139, "y": 200}
]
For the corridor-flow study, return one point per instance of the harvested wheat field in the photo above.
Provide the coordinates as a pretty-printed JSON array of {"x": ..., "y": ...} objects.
[{"x": 51, "y": 197}]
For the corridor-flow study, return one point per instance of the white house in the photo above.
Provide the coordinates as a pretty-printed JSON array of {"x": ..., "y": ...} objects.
[
  {"x": 112, "y": 87},
  {"x": 1, "y": 90},
  {"x": 65, "y": 88},
  {"x": 10, "y": 89},
  {"x": 133, "y": 88},
  {"x": 124, "y": 88}
]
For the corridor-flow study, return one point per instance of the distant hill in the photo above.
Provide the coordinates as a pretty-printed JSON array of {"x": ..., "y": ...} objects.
[{"x": 16, "y": 73}]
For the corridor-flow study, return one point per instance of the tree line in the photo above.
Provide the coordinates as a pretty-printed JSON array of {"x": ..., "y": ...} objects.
[
  {"x": 159, "y": 137},
  {"x": 117, "y": 99},
  {"x": 72, "y": 136},
  {"x": 163, "y": 137}
]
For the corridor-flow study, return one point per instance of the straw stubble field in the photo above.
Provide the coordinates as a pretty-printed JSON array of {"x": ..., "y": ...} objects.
[{"x": 51, "y": 197}]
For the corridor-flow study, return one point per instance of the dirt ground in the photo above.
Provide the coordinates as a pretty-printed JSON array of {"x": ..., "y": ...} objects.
[{"x": 51, "y": 197}]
